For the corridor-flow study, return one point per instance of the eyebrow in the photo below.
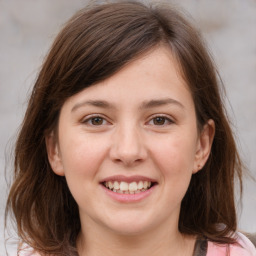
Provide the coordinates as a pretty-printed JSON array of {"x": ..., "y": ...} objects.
[
  {"x": 95, "y": 103},
  {"x": 160, "y": 102},
  {"x": 145, "y": 105}
]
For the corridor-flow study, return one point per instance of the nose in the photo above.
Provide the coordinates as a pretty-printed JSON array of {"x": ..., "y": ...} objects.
[{"x": 128, "y": 146}]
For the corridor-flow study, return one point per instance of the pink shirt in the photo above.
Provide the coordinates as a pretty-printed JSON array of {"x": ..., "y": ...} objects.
[{"x": 243, "y": 248}]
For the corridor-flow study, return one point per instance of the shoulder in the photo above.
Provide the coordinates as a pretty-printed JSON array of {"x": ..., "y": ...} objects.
[
  {"x": 25, "y": 250},
  {"x": 243, "y": 247}
]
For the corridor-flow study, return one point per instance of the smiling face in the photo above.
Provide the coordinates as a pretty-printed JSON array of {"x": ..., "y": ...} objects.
[{"x": 129, "y": 145}]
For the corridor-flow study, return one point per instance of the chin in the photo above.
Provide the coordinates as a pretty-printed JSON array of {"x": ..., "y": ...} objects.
[
  {"x": 131, "y": 227},
  {"x": 129, "y": 231}
]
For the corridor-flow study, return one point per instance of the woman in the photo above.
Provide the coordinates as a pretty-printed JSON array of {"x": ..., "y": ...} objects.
[{"x": 125, "y": 147}]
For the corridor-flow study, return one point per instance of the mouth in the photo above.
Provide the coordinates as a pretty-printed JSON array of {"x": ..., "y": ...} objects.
[{"x": 123, "y": 187}]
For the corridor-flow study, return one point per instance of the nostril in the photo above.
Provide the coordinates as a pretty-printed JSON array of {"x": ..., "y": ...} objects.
[
  {"x": 128, "y": 161},
  {"x": 127, "y": 147}
]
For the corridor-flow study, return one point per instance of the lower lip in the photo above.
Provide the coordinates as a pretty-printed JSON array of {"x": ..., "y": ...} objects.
[{"x": 128, "y": 198}]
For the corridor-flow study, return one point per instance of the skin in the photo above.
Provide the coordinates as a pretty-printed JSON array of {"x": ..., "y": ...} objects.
[{"x": 128, "y": 139}]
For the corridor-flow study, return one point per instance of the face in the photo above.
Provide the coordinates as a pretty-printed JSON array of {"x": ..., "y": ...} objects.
[{"x": 129, "y": 145}]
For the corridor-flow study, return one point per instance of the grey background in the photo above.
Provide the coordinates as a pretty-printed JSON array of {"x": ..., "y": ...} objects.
[{"x": 28, "y": 27}]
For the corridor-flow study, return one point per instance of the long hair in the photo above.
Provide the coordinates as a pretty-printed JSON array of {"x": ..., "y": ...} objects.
[{"x": 95, "y": 44}]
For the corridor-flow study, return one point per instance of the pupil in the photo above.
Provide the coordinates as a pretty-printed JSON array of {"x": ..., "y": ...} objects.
[
  {"x": 97, "y": 121},
  {"x": 159, "y": 120}
]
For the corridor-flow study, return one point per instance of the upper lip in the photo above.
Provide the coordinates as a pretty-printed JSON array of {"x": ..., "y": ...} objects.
[{"x": 127, "y": 179}]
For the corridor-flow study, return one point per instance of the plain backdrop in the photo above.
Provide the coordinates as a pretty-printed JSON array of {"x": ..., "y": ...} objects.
[{"x": 28, "y": 27}]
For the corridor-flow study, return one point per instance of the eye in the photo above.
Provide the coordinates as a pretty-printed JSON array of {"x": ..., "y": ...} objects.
[
  {"x": 95, "y": 121},
  {"x": 160, "y": 121}
]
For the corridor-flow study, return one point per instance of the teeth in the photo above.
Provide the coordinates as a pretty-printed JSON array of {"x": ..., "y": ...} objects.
[
  {"x": 128, "y": 188},
  {"x": 133, "y": 186},
  {"x": 140, "y": 185},
  {"x": 116, "y": 185},
  {"x": 124, "y": 186},
  {"x": 110, "y": 185}
]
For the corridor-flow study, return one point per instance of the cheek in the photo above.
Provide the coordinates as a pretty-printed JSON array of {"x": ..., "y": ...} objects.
[
  {"x": 82, "y": 155},
  {"x": 175, "y": 156},
  {"x": 81, "y": 159}
]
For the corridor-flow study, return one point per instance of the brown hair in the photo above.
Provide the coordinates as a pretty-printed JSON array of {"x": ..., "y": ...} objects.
[{"x": 96, "y": 43}]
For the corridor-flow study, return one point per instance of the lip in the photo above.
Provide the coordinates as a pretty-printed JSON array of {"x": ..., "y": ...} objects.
[
  {"x": 127, "y": 179},
  {"x": 128, "y": 198}
]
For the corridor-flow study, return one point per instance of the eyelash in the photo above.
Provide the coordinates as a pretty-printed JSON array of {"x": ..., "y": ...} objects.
[
  {"x": 167, "y": 120},
  {"x": 89, "y": 120}
]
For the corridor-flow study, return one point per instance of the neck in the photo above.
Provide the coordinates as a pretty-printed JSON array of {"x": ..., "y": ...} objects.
[{"x": 97, "y": 242}]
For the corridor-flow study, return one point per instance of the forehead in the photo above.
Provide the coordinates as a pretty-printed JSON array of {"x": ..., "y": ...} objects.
[{"x": 153, "y": 75}]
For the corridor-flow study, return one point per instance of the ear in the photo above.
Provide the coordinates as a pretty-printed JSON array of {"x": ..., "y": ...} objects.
[
  {"x": 53, "y": 153},
  {"x": 204, "y": 145}
]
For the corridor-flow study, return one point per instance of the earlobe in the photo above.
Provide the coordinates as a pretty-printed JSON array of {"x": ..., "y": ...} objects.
[
  {"x": 53, "y": 153},
  {"x": 204, "y": 145}
]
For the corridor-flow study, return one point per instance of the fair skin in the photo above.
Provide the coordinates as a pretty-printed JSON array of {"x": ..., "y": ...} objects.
[{"x": 137, "y": 127}]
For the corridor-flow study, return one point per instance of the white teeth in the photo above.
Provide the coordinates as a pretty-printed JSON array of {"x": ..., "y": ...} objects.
[
  {"x": 140, "y": 185},
  {"x": 128, "y": 188},
  {"x": 145, "y": 185},
  {"x": 116, "y": 185},
  {"x": 124, "y": 186},
  {"x": 133, "y": 186},
  {"x": 110, "y": 185}
]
